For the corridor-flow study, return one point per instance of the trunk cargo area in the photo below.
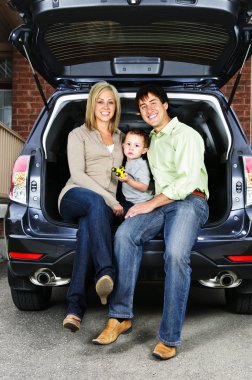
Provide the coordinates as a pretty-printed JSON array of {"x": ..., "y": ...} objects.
[{"x": 201, "y": 114}]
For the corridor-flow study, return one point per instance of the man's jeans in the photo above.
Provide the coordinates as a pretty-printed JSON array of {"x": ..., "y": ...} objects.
[
  {"x": 181, "y": 221},
  {"x": 94, "y": 242}
]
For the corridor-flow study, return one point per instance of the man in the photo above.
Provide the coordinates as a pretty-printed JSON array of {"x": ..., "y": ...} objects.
[{"x": 176, "y": 158}]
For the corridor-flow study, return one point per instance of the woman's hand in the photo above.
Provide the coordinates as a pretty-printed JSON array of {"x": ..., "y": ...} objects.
[{"x": 118, "y": 210}]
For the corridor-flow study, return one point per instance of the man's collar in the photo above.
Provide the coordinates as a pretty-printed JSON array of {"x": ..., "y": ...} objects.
[{"x": 167, "y": 129}]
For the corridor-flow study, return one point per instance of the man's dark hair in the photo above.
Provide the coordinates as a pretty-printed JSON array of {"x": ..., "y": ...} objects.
[{"x": 151, "y": 88}]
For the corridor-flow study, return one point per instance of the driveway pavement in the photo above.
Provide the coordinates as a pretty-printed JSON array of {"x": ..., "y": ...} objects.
[{"x": 217, "y": 345}]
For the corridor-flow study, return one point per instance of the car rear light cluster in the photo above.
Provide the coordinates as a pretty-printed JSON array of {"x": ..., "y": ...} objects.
[
  {"x": 19, "y": 180},
  {"x": 25, "y": 256},
  {"x": 247, "y": 162},
  {"x": 240, "y": 258}
]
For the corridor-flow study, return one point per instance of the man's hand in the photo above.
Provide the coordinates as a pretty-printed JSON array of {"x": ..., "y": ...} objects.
[
  {"x": 118, "y": 210},
  {"x": 140, "y": 208},
  {"x": 148, "y": 206}
]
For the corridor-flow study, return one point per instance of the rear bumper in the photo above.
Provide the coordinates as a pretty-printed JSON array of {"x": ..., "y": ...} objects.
[{"x": 208, "y": 258}]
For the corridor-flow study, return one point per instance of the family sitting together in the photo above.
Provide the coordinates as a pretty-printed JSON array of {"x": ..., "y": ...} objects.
[{"x": 178, "y": 207}]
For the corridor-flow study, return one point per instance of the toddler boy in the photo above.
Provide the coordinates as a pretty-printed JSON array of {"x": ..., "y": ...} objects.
[{"x": 135, "y": 182}]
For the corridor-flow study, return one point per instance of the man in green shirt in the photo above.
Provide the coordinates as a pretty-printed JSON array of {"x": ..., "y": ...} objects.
[{"x": 176, "y": 158}]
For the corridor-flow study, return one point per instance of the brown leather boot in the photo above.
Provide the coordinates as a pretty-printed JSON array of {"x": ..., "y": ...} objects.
[
  {"x": 112, "y": 331},
  {"x": 163, "y": 352}
]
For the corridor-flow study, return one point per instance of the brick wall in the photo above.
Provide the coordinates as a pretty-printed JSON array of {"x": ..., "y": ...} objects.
[
  {"x": 242, "y": 102},
  {"x": 26, "y": 100}
]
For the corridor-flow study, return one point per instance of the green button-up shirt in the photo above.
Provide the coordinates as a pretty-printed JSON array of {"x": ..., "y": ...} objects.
[{"x": 176, "y": 158}]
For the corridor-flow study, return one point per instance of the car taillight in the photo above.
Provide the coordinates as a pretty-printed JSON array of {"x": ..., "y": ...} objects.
[
  {"x": 240, "y": 259},
  {"x": 247, "y": 163},
  {"x": 19, "y": 180},
  {"x": 25, "y": 255}
]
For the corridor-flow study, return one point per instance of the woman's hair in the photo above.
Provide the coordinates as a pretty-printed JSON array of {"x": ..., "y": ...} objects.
[{"x": 94, "y": 93}]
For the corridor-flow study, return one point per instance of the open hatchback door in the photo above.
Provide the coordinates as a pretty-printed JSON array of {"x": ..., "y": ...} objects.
[{"x": 199, "y": 41}]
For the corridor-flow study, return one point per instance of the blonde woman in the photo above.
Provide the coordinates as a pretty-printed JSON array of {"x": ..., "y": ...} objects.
[{"x": 89, "y": 197}]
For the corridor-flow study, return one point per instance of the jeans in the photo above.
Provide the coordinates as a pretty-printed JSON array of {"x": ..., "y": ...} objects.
[
  {"x": 181, "y": 221},
  {"x": 94, "y": 242}
]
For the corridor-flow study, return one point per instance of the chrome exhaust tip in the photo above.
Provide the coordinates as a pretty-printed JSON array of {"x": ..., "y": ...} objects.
[
  {"x": 226, "y": 279},
  {"x": 46, "y": 277},
  {"x": 223, "y": 280}
]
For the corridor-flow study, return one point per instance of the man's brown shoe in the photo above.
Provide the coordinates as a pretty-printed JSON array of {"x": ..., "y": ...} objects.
[
  {"x": 164, "y": 352},
  {"x": 112, "y": 331},
  {"x": 71, "y": 324},
  {"x": 104, "y": 287}
]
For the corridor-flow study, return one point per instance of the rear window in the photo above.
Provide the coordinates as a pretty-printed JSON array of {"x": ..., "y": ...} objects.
[{"x": 192, "y": 42}]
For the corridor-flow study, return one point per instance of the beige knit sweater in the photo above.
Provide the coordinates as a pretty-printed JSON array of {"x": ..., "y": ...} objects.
[{"x": 90, "y": 163}]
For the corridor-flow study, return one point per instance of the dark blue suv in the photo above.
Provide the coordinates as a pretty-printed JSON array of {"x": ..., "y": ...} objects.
[{"x": 191, "y": 48}]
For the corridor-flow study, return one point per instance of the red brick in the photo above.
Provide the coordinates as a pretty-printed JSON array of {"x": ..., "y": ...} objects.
[{"x": 26, "y": 101}]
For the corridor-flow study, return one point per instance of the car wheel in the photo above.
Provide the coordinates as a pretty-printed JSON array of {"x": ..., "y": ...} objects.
[
  {"x": 32, "y": 300},
  {"x": 240, "y": 303}
]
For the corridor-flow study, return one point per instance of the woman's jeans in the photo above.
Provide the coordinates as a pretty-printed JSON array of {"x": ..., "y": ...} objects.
[
  {"x": 181, "y": 221},
  {"x": 94, "y": 242}
]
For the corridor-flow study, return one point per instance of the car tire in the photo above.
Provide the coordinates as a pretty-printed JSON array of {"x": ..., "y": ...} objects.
[
  {"x": 239, "y": 303},
  {"x": 32, "y": 300}
]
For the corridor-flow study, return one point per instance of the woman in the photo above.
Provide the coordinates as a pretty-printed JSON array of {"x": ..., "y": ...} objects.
[{"x": 89, "y": 197}]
